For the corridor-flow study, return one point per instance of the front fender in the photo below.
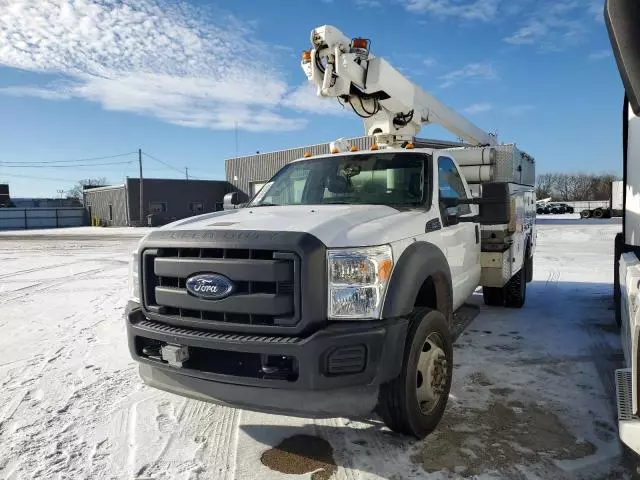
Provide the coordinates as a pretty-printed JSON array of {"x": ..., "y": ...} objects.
[{"x": 418, "y": 262}]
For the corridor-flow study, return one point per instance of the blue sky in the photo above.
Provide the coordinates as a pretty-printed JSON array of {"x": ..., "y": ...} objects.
[{"x": 84, "y": 79}]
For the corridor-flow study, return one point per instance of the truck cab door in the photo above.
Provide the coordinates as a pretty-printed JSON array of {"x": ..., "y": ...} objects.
[{"x": 461, "y": 240}]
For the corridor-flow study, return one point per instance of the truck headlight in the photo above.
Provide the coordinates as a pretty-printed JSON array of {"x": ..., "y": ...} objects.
[
  {"x": 134, "y": 277},
  {"x": 358, "y": 280}
]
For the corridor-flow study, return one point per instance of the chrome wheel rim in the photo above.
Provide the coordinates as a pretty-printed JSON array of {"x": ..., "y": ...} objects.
[{"x": 431, "y": 373}]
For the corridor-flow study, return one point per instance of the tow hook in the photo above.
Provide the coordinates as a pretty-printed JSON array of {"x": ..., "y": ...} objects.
[
  {"x": 276, "y": 367},
  {"x": 175, "y": 355}
]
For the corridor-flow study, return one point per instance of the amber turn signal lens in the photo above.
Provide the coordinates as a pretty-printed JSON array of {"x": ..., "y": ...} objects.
[{"x": 359, "y": 43}]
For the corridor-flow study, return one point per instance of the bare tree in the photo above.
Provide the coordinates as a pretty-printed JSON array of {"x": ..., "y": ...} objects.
[
  {"x": 544, "y": 185},
  {"x": 563, "y": 187},
  {"x": 575, "y": 186},
  {"x": 76, "y": 191},
  {"x": 581, "y": 186}
]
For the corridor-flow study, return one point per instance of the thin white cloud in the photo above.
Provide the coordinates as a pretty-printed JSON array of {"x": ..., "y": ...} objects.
[
  {"x": 516, "y": 110},
  {"x": 477, "y": 108},
  {"x": 37, "y": 92},
  {"x": 600, "y": 55},
  {"x": 483, "y": 10},
  {"x": 530, "y": 33},
  {"x": 596, "y": 9},
  {"x": 157, "y": 58},
  {"x": 304, "y": 99},
  {"x": 368, "y": 3},
  {"x": 429, "y": 62},
  {"x": 471, "y": 71},
  {"x": 552, "y": 26}
]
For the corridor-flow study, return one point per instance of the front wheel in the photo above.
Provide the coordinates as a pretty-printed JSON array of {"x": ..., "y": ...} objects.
[{"x": 414, "y": 402}]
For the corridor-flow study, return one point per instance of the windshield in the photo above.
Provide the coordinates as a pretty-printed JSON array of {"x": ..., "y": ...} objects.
[{"x": 378, "y": 178}]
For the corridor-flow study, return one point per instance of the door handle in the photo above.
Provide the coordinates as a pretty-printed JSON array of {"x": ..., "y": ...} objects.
[{"x": 477, "y": 234}]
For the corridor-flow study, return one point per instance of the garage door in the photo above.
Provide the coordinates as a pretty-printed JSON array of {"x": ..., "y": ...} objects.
[{"x": 255, "y": 187}]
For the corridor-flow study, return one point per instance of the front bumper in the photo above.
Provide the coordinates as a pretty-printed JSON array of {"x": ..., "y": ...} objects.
[{"x": 323, "y": 380}]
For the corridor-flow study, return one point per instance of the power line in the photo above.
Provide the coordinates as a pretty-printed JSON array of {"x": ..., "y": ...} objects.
[
  {"x": 37, "y": 178},
  {"x": 88, "y": 159},
  {"x": 163, "y": 163},
  {"x": 66, "y": 166}
]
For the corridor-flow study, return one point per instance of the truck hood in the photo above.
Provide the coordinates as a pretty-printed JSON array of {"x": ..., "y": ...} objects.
[{"x": 334, "y": 225}]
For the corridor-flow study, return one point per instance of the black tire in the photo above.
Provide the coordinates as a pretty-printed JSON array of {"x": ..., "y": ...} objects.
[
  {"x": 617, "y": 295},
  {"x": 598, "y": 213},
  {"x": 529, "y": 268},
  {"x": 585, "y": 214},
  {"x": 398, "y": 403},
  {"x": 493, "y": 296},
  {"x": 515, "y": 291}
]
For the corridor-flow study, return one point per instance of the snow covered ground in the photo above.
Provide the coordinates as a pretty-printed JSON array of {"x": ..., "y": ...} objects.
[{"x": 532, "y": 397}]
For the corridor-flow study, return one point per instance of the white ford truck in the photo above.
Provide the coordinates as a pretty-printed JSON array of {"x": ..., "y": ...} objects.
[{"x": 332, "y": 292}]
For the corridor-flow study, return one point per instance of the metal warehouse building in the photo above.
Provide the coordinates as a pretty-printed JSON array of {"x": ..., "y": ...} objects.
[
  {"x": 165, "y": 200},
  {"x": 248, "y": 174}
]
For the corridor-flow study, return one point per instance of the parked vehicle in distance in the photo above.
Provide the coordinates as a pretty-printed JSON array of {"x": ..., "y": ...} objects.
[
  {"x": 615, "y": 207},
  {"x": 567, "y": 208},
  {"x": 553, "y": 208}
]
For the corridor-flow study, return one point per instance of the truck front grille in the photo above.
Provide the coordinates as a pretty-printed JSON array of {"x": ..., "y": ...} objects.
[{"x": 266, "y": 293}]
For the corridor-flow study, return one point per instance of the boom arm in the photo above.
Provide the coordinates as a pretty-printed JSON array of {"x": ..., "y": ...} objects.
[{"x": 388, "y": 102}]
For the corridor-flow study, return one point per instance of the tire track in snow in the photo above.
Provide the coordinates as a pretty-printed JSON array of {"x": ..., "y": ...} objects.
[
  {"x": 27, "y": 377},
  {"x": 36, "y": 269},
  {"x": 227, "y": 434},
  {"x": 56, "y": 439},
  {"x": 363, "y": 447},
  {"x": 173, "y": 437},
  {"x": 44, "y": 286},
  {"x": 327, "y": 429},
  {"x": 553, "y": 278},
  {"x": 57, "y": 443}
]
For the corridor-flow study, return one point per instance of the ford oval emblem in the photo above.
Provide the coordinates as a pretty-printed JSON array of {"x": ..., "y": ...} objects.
[{"x": 210, "y": 286}]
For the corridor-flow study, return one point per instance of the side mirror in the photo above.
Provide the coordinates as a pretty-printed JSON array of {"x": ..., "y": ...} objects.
[
  {"x": 231, "y": 201},
  {"x": 452, "y": 219},
  {"x": 622, "y": 18}
]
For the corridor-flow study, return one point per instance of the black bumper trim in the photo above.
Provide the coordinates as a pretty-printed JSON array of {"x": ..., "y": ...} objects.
[
  {"x": 162, "y": 328},
  {"x": 384, "y": 341},
  {"x": 344, "y": 402}
]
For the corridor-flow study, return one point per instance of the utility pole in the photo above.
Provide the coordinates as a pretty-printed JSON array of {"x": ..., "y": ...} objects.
[
  {"x": 141, "y": 189},
  {"x": 186, "y": 172}
]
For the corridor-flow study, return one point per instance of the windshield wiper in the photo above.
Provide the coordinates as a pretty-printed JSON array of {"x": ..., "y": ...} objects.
[
  {"x": 337, "y": 202},
  {"x": 266, "y": 204}
]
